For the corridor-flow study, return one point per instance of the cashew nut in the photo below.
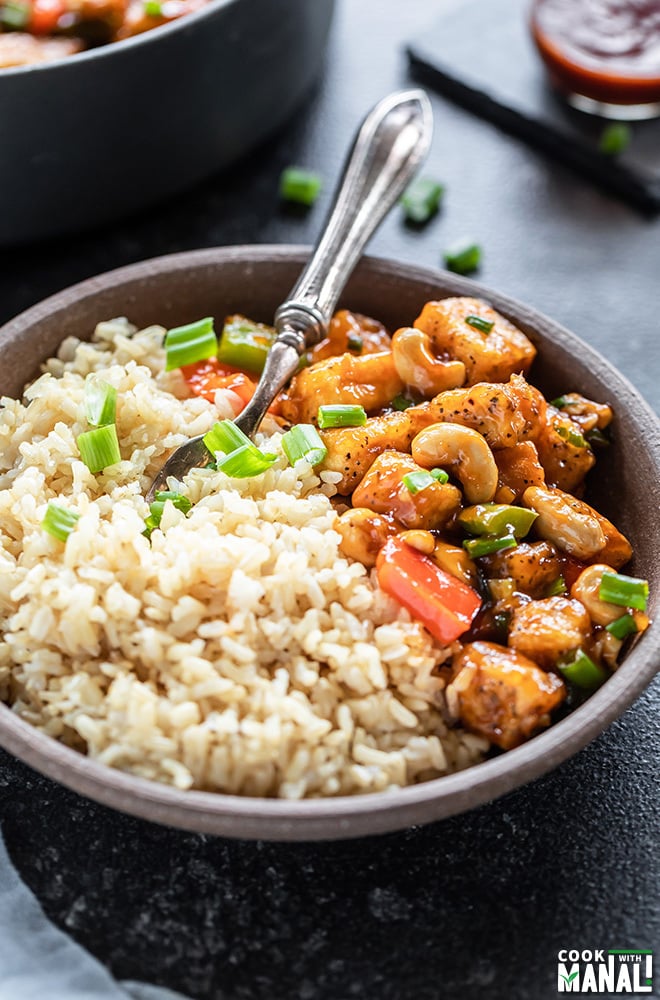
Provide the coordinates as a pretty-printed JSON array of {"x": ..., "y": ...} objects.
[
  {"x": 418, "y": 539},
  {"x": 564, "y": 521},
  {"x": 586, "y": 589},
  {"x": 417, "y": 366},
  {"x": 465, "y": 451}
]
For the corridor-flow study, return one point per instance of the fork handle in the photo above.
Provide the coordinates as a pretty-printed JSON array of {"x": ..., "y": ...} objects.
[{"x": 389, "y": 147}]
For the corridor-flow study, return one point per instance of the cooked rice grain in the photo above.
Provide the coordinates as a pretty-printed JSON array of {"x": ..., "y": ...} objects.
[{"x": 236, "y": 651}]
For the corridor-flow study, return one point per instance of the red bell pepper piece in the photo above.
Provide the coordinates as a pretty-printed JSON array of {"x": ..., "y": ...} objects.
[
  {"x": 204, "y": 377},
  {"x": 444, "y": 604},
  {"x": 45, "y": 15}
]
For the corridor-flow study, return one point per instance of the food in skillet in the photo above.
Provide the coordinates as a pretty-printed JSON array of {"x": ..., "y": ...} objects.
[
  {"x": 36, "y": 31},
  {"x": 398, "y": 576}
]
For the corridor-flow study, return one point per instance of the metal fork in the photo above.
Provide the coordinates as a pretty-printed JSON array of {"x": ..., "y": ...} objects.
[{"x": 389, "y": 147}]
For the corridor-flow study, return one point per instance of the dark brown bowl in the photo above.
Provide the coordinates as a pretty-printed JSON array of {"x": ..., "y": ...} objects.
[{"x": 169, "y": 290}]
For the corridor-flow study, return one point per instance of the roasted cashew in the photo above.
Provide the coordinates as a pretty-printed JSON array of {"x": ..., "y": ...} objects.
[
  {"x": 418, "y": 367},
  {"x": 586, "y": 589},
  {"x": 465, "y": 451},
  {"x": 564, "y": 521}
]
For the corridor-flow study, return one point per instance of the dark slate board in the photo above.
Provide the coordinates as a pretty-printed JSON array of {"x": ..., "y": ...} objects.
[{"x": 482, "y": 57}]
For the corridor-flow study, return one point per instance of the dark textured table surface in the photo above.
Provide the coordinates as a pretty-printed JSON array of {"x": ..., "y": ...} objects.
[{"x": 476, "y": 906}]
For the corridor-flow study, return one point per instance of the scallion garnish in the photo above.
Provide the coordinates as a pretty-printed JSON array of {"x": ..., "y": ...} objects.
[
  {"x": 615, "y": 138},
  {"x": 226, "y": 437},
  {"x": 415, "y": 482},
  {"x": 583, "y": 672},
  {"x": 303, "y": 442},
  {"x": 99, "y": 448},
  {"x": 152, "y": 8},
  {"x": 556, "y": 588},
  {"x": 476, "y": 547},
  {"x": 596, "y": 437},
  {"x": 401, "y": 403},
  {"x": 421, "y": 200},
  {"x": 245, "y": 462},
  {"x": 245, "y": 344},
  {"x": 341, "y": 415},
  {"x": 560, "y": 402},
  {"x": 355, "y": 343},
  {"x": 626, "y": 591},
  {"x": 300, "y": 185},
  {"x": 572, "y": 437},
  {"x": 59, "y": 521},
  {"x": 440, "y": 475},
  {"x": 14, "y": 15},
  {"x": 184, "y": 345},
  {"x": 463, "y": 257},
  {"x": 100, "y": 402},
  {"x": 623, "y": 626},
  {"x": 156, "y": 508},
  {"x": 484, "y": 325}
]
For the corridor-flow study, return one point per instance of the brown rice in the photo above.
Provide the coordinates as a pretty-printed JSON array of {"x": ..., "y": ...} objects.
[{"x": 236, "y": 651}]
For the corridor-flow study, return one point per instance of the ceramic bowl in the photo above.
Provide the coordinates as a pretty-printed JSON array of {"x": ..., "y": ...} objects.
[
  {"x": 93, "y": 137},
  {"x": 169, "y": 290}
]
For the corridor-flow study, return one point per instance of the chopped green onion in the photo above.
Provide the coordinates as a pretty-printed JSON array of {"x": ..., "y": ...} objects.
[
  {"x": 463, "y": 257},
  {"x": 300, "y": 185},
  {"x": 556, "y": 588},
  {"x": 184, "y": 345},
  {"x": 476, "y": 547},
  {"x": 583, "y": 672},
  {"x": 156, "y": 508},
  {"x": 623, "y": 626},
  {"x": 626, "y": 591},
  {"x": 245, "y": 462},
  {"x": 226, "y": 437},
  {"x": 596, "y": 437},
  {"x": 341, "y": 415},
  {"x": 572, "y": 437},
  {"x": 560, "y": 402},
  {"x": 15, "y": 15},
  {"x": 59, "y": 521},
  {"x": 355, "y": 342},
  {"x": 615, "y": 138},
  {"x": 421, "y": 200},
  {"x": 440, "y": 475},
  {"x": 152, "y": 8},
  {"x": 415, "y": 482},
  {"x": 100, "y": 402},
  {"x": 245, "y": 344},
  {"x": 99, "y": 448},
  {"x": 485, "y": 325},
  {"x": 497, "y": 519},
  {"x": 401, "y": 402},
  {"x": 304, "y": 442}
]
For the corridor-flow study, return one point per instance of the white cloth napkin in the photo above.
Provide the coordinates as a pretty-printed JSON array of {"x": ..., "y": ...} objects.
[{"x": 38, "y": 961}]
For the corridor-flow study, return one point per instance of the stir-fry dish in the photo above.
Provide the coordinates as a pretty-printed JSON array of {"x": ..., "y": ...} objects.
[
  {"x": 36, "y": 31},
  {"x": 398, "y": 576}
]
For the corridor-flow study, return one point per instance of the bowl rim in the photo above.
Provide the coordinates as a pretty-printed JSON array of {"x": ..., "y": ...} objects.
[
  {"x": 123, "y": 45},
  {"x": 377, "y": 812}
]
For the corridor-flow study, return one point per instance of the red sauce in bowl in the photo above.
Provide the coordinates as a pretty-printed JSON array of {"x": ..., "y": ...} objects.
[{"x": 605, "y": 50}]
